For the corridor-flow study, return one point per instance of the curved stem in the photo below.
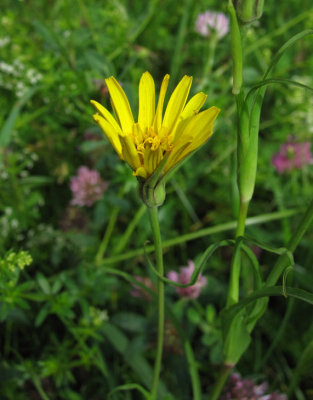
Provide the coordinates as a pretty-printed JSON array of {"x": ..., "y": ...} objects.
[
  {"x": 108, "y": 232},
  {"x": 225, "y": 371},
  {"x": 129, "y": 230},
  {"x": 153, "y": 215},
  {"x": 227, "y": 226},
  {"x": 283, "y": 260},
  {"x": 107, "y": 235}
]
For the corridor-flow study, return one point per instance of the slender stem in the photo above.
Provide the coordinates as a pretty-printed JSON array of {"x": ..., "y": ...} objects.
[
  {"x": 219, "y": 384},
  {"x": 227, "y": 226},
  {"x": 233, "y": 290},
  {"x": 209, "y": 62},
  {"x": 242, "y": 218},
  {"x": 107, "y": 235},
  {"x": 193, "y": 371},
  {"x": 155, "y": 227},
  {"x": 108, "y": 232},
  {"x": 185, "y": 201},
  {"x": 38, "y": 386},
  {"x": 129, "y": 230},
  {"x": 278, "y": 335},
  {"x": 283, "y": 261},
  {"x": 178, "y": 56}
]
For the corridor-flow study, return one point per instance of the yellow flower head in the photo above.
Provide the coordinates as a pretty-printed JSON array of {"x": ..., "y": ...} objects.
[{"x": 145, "y": 144}]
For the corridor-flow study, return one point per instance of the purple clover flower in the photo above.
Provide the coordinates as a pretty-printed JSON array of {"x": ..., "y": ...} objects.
[
  {"x": 211, "y": 21},
  {"x": 239, "y": 388},
  {"x": 87, "y": 187},
  {"x": 292, "y": 155},
  {"x": 184, "y": 276}
]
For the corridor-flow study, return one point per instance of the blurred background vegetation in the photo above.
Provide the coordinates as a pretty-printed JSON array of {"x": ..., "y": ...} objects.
[{"x": 70, "y": 331}]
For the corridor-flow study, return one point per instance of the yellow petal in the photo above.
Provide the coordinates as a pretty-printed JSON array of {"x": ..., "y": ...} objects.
[
  {"x": 193, "y": 106},
  {"x": 146, "y": 101},
  {"x": 120, "y": 104},
  {"x": 141, "y": 172},
  {"x": 203, "y": 127},
  {"x": 195, "y": 127},
  {"x": 177, "y": 154},
  {"x": 191, "y": 134},
  {"x": 110, "y": 133},
  {"x": 177, "y": 102},
  {"x": 159, "y": 111},
  {"x": 129, "y": 152},
  {"x": 152, "y": 159},
  {"x": 106, "y": 114}
]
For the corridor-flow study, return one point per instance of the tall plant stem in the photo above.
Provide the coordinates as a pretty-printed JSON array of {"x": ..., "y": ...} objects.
[
  {"x": 107, "y": 235},
  {"x": 154, "y": 221},
  {"x": 241, "y": 223},
  {"x": 225, "y": 371},
  {"x": 129, "y": 230},
  {"x": 108, "y": 232}
]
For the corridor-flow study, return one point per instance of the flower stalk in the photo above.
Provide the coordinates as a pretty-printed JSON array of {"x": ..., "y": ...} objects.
[
  {"x": 155, "y": 227},
  {"x": 236, "y": 49}
]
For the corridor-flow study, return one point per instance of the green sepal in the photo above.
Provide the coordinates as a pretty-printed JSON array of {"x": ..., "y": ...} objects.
[{"x": 152, "y": 190}]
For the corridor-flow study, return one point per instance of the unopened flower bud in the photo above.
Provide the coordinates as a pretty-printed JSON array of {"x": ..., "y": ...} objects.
[
  {"x": 152, "y": 196},
  {"x": 249, "y": 10}
]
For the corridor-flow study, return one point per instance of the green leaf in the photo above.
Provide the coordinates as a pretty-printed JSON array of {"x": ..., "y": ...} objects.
[
  {"x": 130, "y": 321},
  {"x": 43, "y": 283},
  {"x": 236, "y": 338},
  {"x": 7, "y": 129},
  {"x": 199, "y": 266},
  {"x": 36, "y": 180},
  {"x": 137, "y": 363},
  {"x": 286, "y": 46},
  {"x": 131, "y": 386},
  {"x": 272, "y": 81},
  {"x": 42, "y": 315},
  {"x": 236, "y": 323}
]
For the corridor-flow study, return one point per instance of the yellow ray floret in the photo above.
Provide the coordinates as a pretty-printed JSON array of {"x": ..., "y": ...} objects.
[{"x": 144, "y": 144}]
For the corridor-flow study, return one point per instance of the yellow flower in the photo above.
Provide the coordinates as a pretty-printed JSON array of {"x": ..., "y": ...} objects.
[{"x": 145, "y": 144}]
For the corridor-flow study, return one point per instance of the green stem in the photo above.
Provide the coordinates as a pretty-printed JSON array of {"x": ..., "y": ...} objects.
[
  {"x": 107, "y": 235},
  {"x": 236, "y": 49},
  {"x": 177, "y": 59},
  {"x": 242, "y": 218},
  {"x": 209, "y": 62},
  {"x": 185, "y": 201},
  {"x": 227, "y": 226},
  {"x": 278, "y": 335},
  {"x": 265, "y": 39},
  {"x": 130, "y": 229},
  {"x": 155, "y": 227},
  {"x": 233, "y": 291},
  {"x": 38, "y": 386},
  {"x": 283, "y": 261},
  {"x": 225, "y": 371}
]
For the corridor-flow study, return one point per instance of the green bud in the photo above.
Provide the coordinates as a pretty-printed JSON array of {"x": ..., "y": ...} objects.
[
  {"x": 236, "y": 49},
  {"x": 152, "y": 190},
  {"x": 152, "y": 196},
  {"x": 249, "y": 10}
]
